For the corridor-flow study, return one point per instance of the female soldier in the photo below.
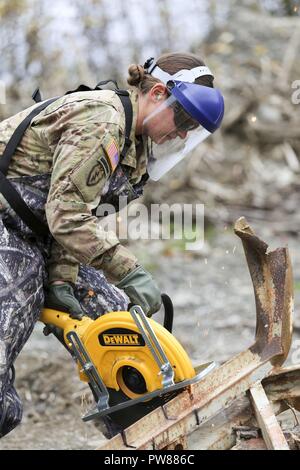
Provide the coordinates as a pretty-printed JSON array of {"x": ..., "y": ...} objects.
[{"x": 75, "y": 151}]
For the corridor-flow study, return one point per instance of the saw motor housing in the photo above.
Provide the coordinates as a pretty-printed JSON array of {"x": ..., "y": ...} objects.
[{"x": 120, "y": 353}]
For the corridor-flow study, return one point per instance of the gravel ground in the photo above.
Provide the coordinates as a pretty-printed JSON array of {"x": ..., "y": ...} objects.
[{"x": 214, "y": 320}]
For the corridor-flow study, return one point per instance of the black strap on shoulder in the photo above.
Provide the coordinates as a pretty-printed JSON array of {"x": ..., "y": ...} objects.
[
  {"x": 105, "y": 82},
  {"x": 125, "y": 99},
  {"x": 12, "y": 196},
  {"x": 18, "y": 134},
  {"x": 20, "y": 207},
  {"x": 37, "y": 96},
  {"x": 79, "y": 88}
]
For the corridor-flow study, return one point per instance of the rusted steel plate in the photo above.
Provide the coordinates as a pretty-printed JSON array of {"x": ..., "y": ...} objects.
[
  {"x": 271, "y": 276},
  {"x": 218, "y": 431}
]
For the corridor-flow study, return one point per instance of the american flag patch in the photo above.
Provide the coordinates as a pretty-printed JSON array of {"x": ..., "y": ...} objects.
[{"x": 112, "y": 152}]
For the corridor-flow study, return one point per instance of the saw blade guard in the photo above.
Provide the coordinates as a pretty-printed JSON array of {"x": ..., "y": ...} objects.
[{"x": 125, "y": 362}]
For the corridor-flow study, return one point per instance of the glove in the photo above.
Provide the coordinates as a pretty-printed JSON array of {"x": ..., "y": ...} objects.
[
  {"x": 61, "y": 296},
  {"x": 142, "y": 290}
]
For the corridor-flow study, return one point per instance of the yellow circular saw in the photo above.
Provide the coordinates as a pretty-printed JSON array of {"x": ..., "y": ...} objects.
[{"x": 126, "y": 358}]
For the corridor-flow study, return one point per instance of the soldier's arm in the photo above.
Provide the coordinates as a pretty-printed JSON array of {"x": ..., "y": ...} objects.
[
  {"x": 82, "y": 164},
  {"x": 61, "y": 266}
]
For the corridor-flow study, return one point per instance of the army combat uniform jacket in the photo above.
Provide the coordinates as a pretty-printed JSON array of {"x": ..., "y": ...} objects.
[
  {"x": 74, "y": 144},
  {"x": 67, "y": 162}
]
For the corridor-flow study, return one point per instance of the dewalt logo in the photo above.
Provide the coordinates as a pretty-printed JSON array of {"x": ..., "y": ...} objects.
[{"x": 121, "y": 337}]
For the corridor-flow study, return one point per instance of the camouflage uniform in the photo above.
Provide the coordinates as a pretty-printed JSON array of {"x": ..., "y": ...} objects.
[{"x": 66, "y": 163}]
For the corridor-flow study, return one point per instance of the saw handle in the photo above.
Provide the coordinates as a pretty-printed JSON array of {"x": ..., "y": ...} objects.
[{"x": 169, "y": 311}]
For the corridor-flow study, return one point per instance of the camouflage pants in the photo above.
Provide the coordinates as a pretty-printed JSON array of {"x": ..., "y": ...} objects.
[{"x": 22, "y": 281}]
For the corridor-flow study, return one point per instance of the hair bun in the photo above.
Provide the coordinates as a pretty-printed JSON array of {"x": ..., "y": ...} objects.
[{"x": 136, "y": 74}]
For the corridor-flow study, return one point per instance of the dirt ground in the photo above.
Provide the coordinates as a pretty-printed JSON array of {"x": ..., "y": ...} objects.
[{"x": 214, "y": 320}]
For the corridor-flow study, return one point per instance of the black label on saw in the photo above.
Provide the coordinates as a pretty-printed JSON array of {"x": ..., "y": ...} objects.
[{"x": 120, "y": 337}]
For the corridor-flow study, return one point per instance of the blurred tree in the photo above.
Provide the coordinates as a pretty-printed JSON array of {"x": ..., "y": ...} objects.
[
  {"x": 10, "y": 12},
  {"x": 97, "y": 20},
  {"x": 25, "y": 56},
  {"x": 289, "y": 7},
  {"x": 58, "y": 44},
  {"x": 281, "y": 7}
]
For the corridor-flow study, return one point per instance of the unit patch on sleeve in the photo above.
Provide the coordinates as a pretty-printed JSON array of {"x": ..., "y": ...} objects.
[
  {"x": 97, "y": 172},
  {"x": 95, "y": 175}
]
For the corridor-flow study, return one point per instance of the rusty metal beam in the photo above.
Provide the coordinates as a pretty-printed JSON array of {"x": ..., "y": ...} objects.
[
  {"x": 219, "y": 431},
  {"x": 272, "y": 280},
  {"x": 271, "y": 276}
]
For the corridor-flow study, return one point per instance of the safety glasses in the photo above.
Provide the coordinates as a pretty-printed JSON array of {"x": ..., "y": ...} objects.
[{"x": 183, "y": 121}]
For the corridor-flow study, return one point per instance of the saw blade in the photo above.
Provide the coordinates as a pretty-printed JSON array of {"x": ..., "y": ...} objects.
[{"x": 120, "y": 420}]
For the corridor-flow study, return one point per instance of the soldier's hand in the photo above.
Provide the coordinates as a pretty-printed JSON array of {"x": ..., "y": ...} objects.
[
  {"x": 142, "y": 290},
  {"x": 61, "y": 297}
]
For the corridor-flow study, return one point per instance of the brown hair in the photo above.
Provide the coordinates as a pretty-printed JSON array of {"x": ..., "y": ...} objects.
[{"x": 170, "y": 63}]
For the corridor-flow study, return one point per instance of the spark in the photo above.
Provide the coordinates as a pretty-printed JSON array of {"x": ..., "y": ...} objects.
[
  {"x": 296, "y": 9},
  {"x": 253, "y": 119},
  {"x": 227, "y": 252},
  {"x": 234, "y": 248}
]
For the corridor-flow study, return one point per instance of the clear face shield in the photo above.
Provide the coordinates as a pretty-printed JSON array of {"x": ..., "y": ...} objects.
[
  {"x": 183, "y": 120},
  {"x": 174, "y": 133}
]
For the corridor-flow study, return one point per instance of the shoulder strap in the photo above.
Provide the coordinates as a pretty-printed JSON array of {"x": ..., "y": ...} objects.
[
  {"x": 124, "y": 97},
  {"x": 7, "y": 189},
  {"x": 20, "y": 207},
  {"x": 18, "y": 134}
]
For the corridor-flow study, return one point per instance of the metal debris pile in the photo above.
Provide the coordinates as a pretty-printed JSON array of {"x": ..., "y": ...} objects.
[{"x": 235, "y": 406}]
